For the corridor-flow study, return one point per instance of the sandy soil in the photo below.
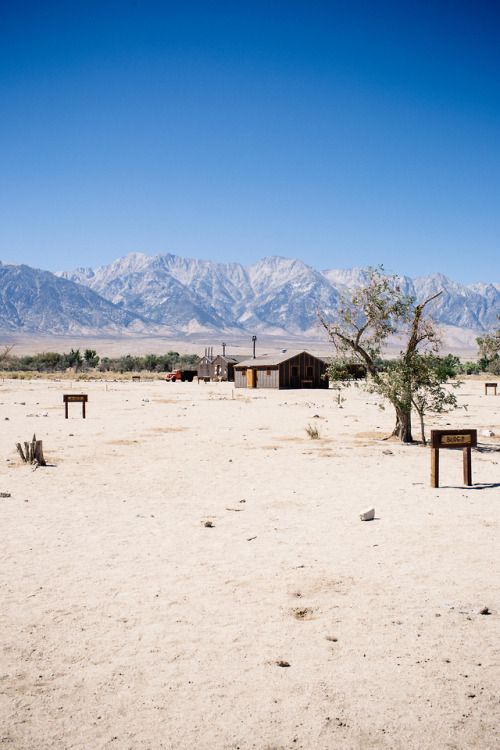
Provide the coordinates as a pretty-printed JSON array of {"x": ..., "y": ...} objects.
[{"x": 129, "y": 622}]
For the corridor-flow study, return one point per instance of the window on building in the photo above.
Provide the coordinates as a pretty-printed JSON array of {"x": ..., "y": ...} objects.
[{"x": 268, "y": 372}]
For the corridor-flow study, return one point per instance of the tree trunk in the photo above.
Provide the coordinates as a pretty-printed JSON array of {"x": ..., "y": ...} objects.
[
  {"x": 422, "y": 426},
  {"x": 403, "y": 426}
]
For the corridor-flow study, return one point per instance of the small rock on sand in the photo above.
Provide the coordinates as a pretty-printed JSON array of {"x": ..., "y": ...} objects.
[{"x": 368, "y": 514}]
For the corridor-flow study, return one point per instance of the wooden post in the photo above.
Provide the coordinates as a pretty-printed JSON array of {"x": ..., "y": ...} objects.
[
  {"x": 434, "y": 467},
  {"x": 467, "y": 466},
  {"x": 490, "y": 385},
  {"x": 33, "y": 452}
]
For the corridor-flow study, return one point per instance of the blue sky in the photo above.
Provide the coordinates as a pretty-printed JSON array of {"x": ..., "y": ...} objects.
[{"x": 340, "y": 133}]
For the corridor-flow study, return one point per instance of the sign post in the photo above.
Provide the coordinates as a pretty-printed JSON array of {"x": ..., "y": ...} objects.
[
  {"x": 464, "y": 439},
  {"x": 69, "y": 398}
]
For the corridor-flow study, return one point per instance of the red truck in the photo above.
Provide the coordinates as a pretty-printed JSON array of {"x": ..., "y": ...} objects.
[{"x": 183, "y": 375}]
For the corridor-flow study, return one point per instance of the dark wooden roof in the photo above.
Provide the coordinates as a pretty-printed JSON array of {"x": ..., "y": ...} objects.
[{"x": 272, "y": 360}]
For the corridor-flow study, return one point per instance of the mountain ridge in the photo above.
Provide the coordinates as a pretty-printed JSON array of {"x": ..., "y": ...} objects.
[
  {"x": 275, "y": 292},
  {"x": 171, "y": 295}
]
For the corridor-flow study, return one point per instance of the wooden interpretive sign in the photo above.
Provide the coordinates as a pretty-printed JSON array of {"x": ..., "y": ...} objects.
[
  {"x": 490, "y": 385},
  {"x": 465, "y": 439},
  {"x": 79, "y": 398}
]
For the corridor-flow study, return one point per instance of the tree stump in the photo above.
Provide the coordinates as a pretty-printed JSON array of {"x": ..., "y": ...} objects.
[{"x": 33, "y": 452}]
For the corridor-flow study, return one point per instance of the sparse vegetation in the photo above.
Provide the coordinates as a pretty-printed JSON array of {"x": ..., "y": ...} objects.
[
  {"x": 53, "y": 362},
  {"x": 366, "y": 318},
  {"x": 5, "y": 354},
  {"x": 313, "y": 432},
  {"x": 489, "y": 344}
]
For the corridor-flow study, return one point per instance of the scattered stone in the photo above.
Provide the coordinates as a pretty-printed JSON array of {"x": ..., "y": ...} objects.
[
  {"x": 488, "y": 433},
  {"x": 471, "y": 695},
  {"x": 209, "y": 524},
  {"x": 368, "y": 514},
  {"x": 484, "y": 611},
  {"x": 146, "y": 400},
  {"x": 5, "y": 494},
  {"x": 6, "y": 419},
  {"x": 282, "y": 663},
  {"x": 388, "y": 453},
  {"x": 45, "y": 414},
  {"x": 331, "y": 638}
]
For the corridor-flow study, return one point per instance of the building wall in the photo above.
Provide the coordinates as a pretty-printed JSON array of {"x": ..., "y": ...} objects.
[
  {"x": 267, "y": 377},
  {"x": 223, "y": 369},
  {"x": 205, "y": 368},
  {"x": 303, "y": 371},
  {"x": 240, "y": 378}
]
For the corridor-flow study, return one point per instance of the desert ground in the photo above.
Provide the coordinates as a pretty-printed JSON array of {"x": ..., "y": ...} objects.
[{"x": 190, "y": 571}]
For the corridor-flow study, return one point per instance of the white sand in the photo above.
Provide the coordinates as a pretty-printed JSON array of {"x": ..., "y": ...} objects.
[{"x": 126, "y": 622}]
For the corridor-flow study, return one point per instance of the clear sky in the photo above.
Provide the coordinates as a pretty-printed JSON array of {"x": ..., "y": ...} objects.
[{"x": 342, "y": 133}]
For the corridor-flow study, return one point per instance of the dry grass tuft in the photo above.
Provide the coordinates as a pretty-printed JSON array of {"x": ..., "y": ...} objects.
[{"x": 313, "y": 432}]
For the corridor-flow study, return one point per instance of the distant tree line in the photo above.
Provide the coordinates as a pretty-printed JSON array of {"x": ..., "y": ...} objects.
[
  {"x": 50, "y": 362},
  {"x": 451, "y": 366}
]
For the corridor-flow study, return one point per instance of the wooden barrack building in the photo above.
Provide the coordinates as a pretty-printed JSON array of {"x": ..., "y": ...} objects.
[{"x": 288, "y": 369}]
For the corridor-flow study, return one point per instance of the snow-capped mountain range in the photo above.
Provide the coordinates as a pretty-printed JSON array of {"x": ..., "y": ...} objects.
[{"x": 183, "y": 297}]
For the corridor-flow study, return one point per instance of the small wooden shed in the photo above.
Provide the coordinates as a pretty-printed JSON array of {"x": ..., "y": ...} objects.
[
  {"x": 288, "y": 369},
  {"x": 224, "y": 365},
  {"x": 206, "y": 368}
]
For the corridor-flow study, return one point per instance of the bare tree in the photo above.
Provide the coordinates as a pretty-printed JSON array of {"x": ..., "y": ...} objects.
[
  {"x": 6, "y": 352},
  {"x": 366, "y": 317}
]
